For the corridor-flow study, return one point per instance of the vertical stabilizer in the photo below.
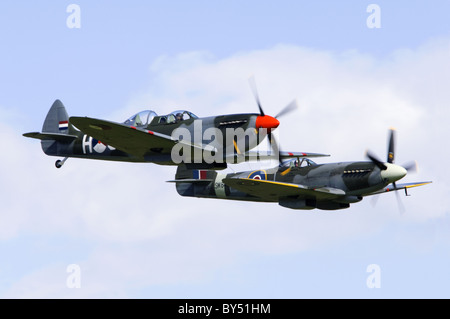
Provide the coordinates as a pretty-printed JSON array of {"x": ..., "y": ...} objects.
[
  {"x": 57, "y": 120},
  {"x": 58, "y": 137}
]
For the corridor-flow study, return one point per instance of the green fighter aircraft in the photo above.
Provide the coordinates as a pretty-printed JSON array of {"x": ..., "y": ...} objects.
[
  {"x": 177, "y": 138},
  {"x": 299, "y": 183}
]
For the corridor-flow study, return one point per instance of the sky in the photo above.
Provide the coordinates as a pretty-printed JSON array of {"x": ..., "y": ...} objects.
[{"x": 122, "y": 232}]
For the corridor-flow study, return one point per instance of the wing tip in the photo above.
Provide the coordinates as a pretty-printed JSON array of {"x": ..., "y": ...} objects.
[{"x": 418, "y": 184}]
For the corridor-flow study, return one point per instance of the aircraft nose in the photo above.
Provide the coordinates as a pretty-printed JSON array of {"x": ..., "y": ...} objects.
[
  {"x": 266, "y": 121},
  {"x": 393, "y": 172}
]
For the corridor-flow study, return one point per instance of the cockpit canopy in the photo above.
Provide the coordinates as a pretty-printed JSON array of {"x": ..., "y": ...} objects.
[
  {"x": 144, "y": 118},
  {"x": 298, "y": 162},
  {"x": 177, "y": 116},
  {"x": 141, "y": 119}
]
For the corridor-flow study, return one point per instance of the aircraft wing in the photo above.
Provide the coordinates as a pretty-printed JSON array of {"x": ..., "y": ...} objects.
[
  {"x": 275, "y": 190},
  {"x": 301, "y": 154},
  {"x": 126, "y": 138},
  {"x": 397, "y": 187}
]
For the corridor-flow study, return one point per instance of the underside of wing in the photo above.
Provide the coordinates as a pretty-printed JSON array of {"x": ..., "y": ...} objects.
[
  {"x": 125, "y": 138},
  {"x": 397, "y": 187},
  {"x": 275, "y": 190}
]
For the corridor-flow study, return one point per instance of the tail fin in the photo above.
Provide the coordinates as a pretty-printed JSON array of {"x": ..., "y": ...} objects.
[
  {"x": 186, "y": 175},
  {"x": 193, "y": 182},
  {"x": 55, "y": 137},
  {"x": 57, "y": 120}
]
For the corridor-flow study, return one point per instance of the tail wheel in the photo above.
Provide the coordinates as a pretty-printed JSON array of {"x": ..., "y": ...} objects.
[{"x": 60, "y": 163}]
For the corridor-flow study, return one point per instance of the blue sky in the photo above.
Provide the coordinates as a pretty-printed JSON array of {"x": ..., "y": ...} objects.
[
  {"x": 136, "y": 237},
  {"x": 117, "y": 41}
]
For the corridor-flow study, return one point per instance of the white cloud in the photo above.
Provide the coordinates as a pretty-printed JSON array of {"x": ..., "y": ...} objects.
[{"x": 143, "y": 233}]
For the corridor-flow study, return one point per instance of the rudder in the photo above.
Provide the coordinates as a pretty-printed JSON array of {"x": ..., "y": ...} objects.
[{"x": 57, "y": 120}]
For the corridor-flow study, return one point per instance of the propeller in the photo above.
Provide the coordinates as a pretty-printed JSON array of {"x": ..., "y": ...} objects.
[
  {"x": 409, "y": 167},
  {"x": 272, "y": 140},
  {"x": 391, "y": 146},
  {"x": 376, "y": 161},
  {"x": 397, "y": 171},
  {"x": 252, "y": 83},
  {"x": 288, "y": 109},
  {"x": 268, "y": 122}
]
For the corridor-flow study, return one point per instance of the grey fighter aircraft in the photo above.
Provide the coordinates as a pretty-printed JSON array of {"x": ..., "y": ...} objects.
[
  {"x": 299, "y": 183},
  {"x": 178, "y": 137}
]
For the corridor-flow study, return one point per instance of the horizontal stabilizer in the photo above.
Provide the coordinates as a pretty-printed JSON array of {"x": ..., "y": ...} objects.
[
  {"x": 64, "y": 138},
  {"x": 190, "y": 180}
]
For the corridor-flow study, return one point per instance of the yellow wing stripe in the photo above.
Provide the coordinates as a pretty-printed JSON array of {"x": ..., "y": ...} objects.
[
  {"x": 272, "y": 182},
  {"x": 416, "y": 185}
]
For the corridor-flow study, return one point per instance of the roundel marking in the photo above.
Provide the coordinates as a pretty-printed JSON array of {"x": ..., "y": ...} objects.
[
  {"x": 98, "y": 146},
  {"x": 258, "y": 175}
]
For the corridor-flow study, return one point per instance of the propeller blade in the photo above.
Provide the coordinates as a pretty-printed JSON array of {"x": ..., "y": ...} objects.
[
  {"x": 411, "y": 167},
  {"x": 287, "y": 109},
  {"x": 269, "y": 137},
  {"x": 376, "y": 161},
  {"x": 252, "y": 83},
  {"x": 274, "y": 145},
  {"x": 391, "y": 147},
  {"x": 374, "y": 200},
  {"x": 401, "y": 207}
]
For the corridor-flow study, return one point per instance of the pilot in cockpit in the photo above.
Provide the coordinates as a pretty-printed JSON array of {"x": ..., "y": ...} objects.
[
  {"x": 138, "y": 121},
  {"x": 304, "y": 162}
]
